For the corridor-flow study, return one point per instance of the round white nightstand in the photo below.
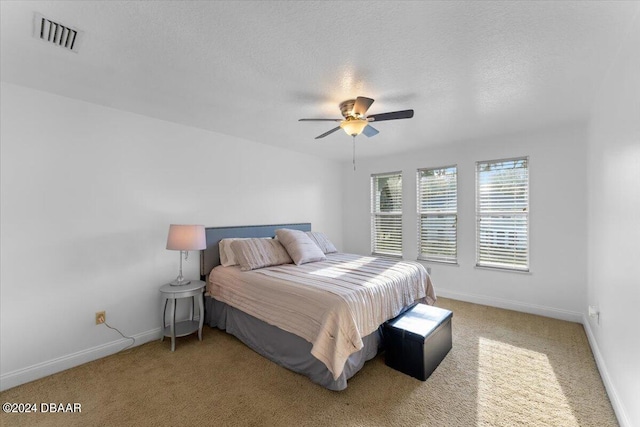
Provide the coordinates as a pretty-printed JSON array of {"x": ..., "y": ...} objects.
[{"x": 194, "y": 290}]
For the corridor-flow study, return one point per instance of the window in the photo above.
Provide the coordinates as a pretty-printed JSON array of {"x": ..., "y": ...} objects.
[
  {"x": 438, "y": 214},
  {"x": 502, "y": 214},
  {"x": 386, "y": 214}
]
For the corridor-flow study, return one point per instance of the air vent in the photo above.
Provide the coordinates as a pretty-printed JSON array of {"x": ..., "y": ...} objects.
[{"x": 55, "y": 33}]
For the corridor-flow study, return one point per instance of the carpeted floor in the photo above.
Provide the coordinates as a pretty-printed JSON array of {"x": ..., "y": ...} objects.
[{"x": 505, "y": 369}]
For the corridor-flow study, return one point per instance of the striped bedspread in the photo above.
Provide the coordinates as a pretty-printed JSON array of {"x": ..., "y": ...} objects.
[{"x": 332, "y": 304}]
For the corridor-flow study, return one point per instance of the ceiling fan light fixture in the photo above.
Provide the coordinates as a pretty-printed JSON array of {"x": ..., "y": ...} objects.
[
  {"x": 354, "y": 127},
  {"x": 356, "y": 120}
]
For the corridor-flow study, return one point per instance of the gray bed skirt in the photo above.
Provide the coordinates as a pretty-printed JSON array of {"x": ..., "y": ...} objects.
[{"x": 284, "y": 348}]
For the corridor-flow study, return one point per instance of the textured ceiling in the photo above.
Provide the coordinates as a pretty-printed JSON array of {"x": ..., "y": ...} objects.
[{"x": 252, "y": 69}]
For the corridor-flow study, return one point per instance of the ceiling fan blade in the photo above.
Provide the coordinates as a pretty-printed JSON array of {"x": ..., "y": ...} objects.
[
  {"x": 370, "y": 131},
  {"x": 327, "y": 133},
  {"x": 362, "y": 105},
  {"x": 320, "y": 120},
  {"x": 404, "y": 114}
]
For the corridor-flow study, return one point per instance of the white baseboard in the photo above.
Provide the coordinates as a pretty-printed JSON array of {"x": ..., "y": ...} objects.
[
  {"x": 540, "y": 310},
  {"x": 50, "y": 367},
  {"x": 618, "y": 407}
]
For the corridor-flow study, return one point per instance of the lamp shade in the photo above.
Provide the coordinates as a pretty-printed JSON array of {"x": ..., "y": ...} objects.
[
  {"x": 186, "y": 237},
  {"x": 354, "y": 127}
]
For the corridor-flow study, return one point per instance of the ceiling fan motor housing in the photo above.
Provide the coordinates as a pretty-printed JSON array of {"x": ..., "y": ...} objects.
[{"x": 346, "y": 108}]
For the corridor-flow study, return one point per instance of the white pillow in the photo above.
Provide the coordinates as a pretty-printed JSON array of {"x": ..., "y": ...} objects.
[
  {"x": 299, "y": 246},
  {"x": 227, "y": 257},
  {"x": 322, "y": 241}
]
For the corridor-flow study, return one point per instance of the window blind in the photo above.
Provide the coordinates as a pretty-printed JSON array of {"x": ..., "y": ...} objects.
[
  {"x": 502, "y": 214},
  {"x": 386, "y": 214},
  {"x": 438, "y": 214}
]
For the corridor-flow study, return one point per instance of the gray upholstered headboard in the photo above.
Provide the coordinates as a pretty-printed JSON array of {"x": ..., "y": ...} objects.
[{"x": 210, "y": 257}]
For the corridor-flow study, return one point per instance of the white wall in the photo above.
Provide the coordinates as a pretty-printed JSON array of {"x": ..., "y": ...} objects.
[
  {"x": 555, "y": 286},
  {"x": 614, "y": 229},
  {"x": 88, "y": 194}
]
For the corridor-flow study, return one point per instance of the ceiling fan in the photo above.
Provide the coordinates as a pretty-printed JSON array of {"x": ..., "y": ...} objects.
[{"x": 355, "y": 119}]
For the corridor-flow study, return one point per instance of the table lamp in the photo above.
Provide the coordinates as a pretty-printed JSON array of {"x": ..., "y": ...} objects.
[{"x": 185, "y": 238}]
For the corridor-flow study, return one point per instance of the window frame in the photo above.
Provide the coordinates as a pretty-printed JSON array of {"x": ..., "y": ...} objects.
[
  {"x": 526, "y": 214},
  {"x": 420, "y": 214},
  {"x": 375, "y": 214}
]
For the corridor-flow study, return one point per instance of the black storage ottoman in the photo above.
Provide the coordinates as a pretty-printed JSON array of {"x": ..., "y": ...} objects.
[{"x": 418, "y": 340}]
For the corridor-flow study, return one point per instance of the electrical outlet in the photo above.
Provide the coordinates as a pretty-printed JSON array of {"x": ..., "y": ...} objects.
[
  {"x": 594, "y": 313},
  {"x": 101, "y": 317}
]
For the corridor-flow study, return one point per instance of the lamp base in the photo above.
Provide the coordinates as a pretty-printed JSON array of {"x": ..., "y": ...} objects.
[{"x": 179, "y": 282}]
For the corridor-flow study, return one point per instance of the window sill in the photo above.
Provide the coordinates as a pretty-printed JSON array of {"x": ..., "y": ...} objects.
[
  {"x": 433, "y": 261},
  {"x": 503, "y": 270}
]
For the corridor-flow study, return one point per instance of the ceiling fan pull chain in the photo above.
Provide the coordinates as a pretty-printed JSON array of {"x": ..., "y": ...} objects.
[{"x": 354, "y": 153}]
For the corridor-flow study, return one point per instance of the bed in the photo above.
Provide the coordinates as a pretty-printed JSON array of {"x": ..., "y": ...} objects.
[{"x": 321, "y": 319}]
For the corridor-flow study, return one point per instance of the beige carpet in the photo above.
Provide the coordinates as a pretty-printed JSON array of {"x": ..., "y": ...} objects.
[{"x": 505, "y": 369}]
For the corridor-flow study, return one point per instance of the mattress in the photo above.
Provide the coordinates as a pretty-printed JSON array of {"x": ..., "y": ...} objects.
[{"x": 332, "y": 304}]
